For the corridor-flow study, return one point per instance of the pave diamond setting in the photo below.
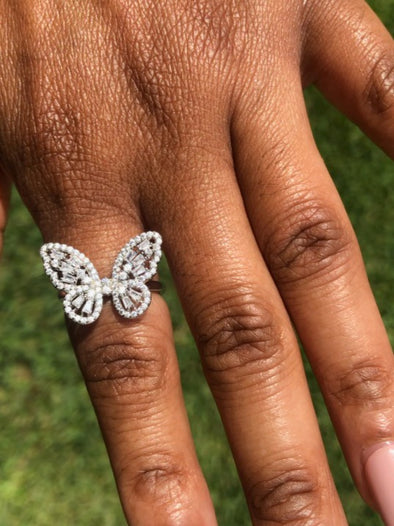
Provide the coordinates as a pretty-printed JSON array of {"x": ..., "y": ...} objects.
[{"x": 75, "y": 276}]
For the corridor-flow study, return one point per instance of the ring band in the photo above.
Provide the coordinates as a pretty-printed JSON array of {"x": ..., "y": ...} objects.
[
  {"x": 153, "y": 285},
  {"x": 82, "y": 290}
]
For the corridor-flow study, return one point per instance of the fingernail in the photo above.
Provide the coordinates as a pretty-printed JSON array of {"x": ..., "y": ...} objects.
[{"x": 379, "y": 470}]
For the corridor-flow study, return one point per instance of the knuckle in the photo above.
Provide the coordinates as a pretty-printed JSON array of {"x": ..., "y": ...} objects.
[
  {"x": 367, "y": 384},
  {"x": 291, "y": 497},
  {"x": 378, "y": 93},
  {"x": 159, "y": 480},
  {"x": 309, "y": 242},
  {"x": 161, "y": 483},
  {"x": 241, "y": 337},
  {"x": 125, "y": 363}
]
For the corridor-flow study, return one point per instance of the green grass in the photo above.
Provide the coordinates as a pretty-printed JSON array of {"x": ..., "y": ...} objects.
[{"x": 53, "y": 465}]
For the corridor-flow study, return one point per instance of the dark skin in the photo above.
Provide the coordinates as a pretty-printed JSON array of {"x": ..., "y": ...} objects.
[{"x": 187, "y": 117}]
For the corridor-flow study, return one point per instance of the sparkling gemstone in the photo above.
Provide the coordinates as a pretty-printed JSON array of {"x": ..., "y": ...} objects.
[
  {"x": 146, "y": 246},
  {"x": 68, "y": 278},
  {"x": 88, "y": 307},
  {"x": 81, "y": 273},
  {"x": 106, "y": 284},
  {"x": 135, "y": 295},
  {"x": 66, "y": 267},
  {"x": 135, "y": 257},
  {"x": 91, "y": 294},
  {"x": 121, "y": 288},
  {"x": 127, "y": 303},
  {"x": 78, "y": 301},
  {"x": 138, "y": 263},
  {"x": 57, "y": 254}
]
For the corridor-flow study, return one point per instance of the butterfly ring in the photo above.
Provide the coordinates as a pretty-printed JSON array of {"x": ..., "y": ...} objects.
[{"x": 82, "y": 290}]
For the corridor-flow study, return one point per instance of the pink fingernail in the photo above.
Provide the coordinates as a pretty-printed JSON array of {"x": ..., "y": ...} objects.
[{"x": 379, "y": 470}]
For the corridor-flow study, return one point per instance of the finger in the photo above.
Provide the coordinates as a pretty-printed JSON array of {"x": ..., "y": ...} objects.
[
  {"x": 132, "y": 376},
  {"x": 349, "y": 55},
  {"x": 5, "y": 194},
  {"x": 312, "y": 253},
  {"x": 248, "y": 349}
]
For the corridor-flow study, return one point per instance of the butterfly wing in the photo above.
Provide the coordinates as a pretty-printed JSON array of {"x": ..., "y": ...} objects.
[
  {"x": 134, "y": 266},
  {"x": 138, "y": 259},
  {"x": 66, "y": 267},
  {"x": 131, "y": 298},
  {"x": 72, "y": 273},
  {"x": 83, "y": 304}
]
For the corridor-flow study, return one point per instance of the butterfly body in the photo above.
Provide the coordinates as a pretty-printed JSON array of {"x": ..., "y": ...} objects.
[{"x": 75, "y": 276}]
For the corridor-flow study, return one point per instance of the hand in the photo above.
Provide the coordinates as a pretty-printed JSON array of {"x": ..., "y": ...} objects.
[{"x": 188, "y": 118}]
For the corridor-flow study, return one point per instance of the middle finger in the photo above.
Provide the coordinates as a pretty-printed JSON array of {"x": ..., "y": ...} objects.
[{"x": 250, "y": 354}]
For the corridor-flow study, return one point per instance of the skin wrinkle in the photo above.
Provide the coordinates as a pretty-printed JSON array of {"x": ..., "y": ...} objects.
[
  {"x": 253, "y": 376},
  {"x": 242, "y": 337},
  {"x": 260, "y": 388},
  {"x": 119, "y": 361},
  {"x": 368, "y": 384},
  {"x": 220, "y": 29},
  {"x": 311, "y": 242},
  {"x": 166, "y": 488},
  {"x": 289, "y": 496}
]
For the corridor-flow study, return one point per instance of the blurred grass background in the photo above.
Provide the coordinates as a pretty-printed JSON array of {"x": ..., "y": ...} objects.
[{"x": 53, "y": 465}]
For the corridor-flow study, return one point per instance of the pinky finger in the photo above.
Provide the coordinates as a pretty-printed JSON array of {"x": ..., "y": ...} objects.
[{"x": 349, "y": 55}]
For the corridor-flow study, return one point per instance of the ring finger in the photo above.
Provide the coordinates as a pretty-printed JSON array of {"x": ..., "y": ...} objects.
[
  {"x": 132, "y": 376},
  {"x": 313, "y": 256}
]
